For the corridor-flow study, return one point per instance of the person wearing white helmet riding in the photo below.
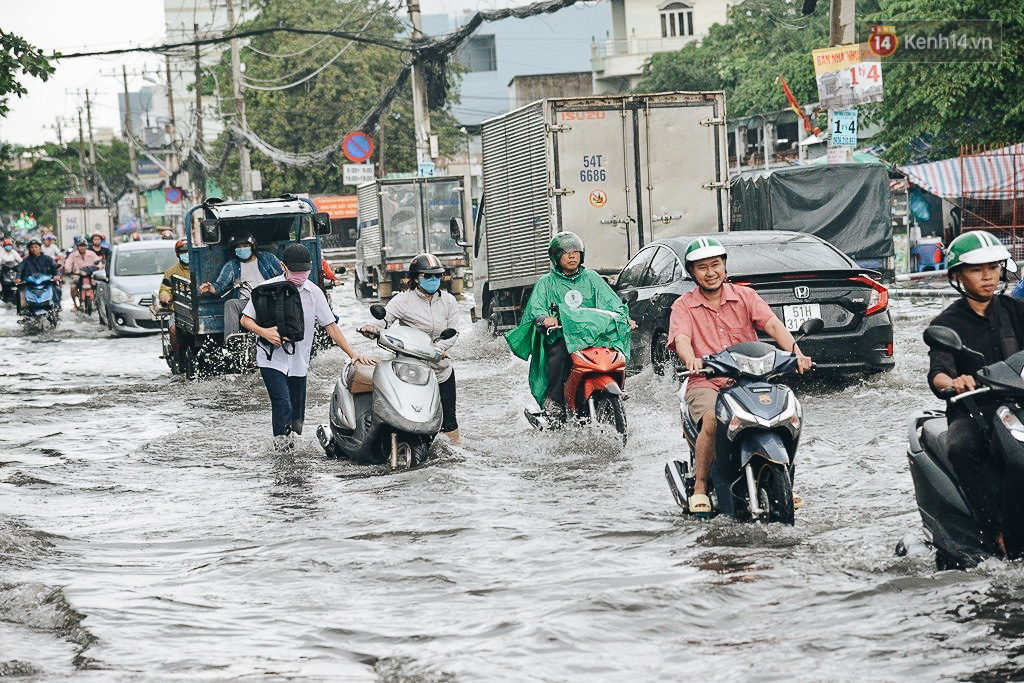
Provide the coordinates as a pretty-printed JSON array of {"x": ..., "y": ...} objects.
[
  {"x": 706, "y": 320},
  {"x": 991, "y": 323}
]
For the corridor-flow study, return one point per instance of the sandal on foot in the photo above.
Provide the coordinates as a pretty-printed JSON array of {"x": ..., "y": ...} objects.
[{"x": 699, "y": 504}]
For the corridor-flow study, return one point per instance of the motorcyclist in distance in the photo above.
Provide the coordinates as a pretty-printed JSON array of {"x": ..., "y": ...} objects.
[
  {"x": 180, "y": 268},
  {"x": 992, "y": 324},
  {"x": 51, "y": 249},
  {"x": 708, "y": 319},
  {"x": 80, "y": 258},
  {"x": 9, "y": 255},
  {"x": 100, "y": 247},
  {"x": 37, "y": 263}
]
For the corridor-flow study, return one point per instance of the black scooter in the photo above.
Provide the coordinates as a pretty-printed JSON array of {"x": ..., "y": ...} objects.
[
  {"x": 758, "y": 433},
  {"x": 8, "y": 276},
  {"x": 950, "y": 524}
]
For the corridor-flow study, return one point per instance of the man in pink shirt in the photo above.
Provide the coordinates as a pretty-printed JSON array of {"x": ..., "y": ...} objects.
[
  {"x": 706, "y": 320},
  {"x": 81, "y": 257}
]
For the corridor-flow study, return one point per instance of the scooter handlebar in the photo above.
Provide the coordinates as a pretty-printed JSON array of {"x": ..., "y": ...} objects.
[{"x": 966, "y": 394}]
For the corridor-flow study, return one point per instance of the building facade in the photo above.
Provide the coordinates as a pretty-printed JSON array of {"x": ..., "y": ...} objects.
[{"x": 641, "y": 28}]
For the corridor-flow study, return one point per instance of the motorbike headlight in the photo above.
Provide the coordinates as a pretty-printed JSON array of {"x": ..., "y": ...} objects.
[
  {"x": 791, "y": 415},
  {"x": 1011, "y": 422},
  {"x": 755, "y": 365},
  {"x": 412, "y": 373},
  {"x": 740, "y": 418},
  {"x": 119, "y": 296}
]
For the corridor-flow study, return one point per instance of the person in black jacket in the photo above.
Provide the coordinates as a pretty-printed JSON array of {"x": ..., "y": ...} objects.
[
  {"x": 36, "y": 263},
  {"x": 992, "y": 324}
]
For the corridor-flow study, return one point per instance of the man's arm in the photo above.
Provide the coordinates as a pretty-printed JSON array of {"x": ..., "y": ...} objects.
[
  {"x": 268, "y": 333},
  {"x": 684, "y": 349},
  {"x": 338, "y": 336},
  {"x": 784, "y": 339}
]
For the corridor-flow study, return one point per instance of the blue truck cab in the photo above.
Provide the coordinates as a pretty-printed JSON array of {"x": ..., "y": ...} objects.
[{"x": 210, "y": 229}]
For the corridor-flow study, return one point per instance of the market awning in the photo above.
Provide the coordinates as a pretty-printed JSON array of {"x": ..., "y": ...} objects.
[{"x": 996, "y": 174}]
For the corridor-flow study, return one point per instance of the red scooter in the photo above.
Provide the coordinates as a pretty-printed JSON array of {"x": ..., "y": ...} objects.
[{"x": 593, "y": 391}]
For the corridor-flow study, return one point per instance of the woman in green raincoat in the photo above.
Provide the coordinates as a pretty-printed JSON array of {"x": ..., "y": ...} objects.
[{"x": 590, "y": 314}]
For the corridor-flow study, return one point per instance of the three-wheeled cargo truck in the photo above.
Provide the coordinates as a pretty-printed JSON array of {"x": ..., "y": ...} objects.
[
  {"x": 400, "y": 218},
  {"x": 210, "y": 229}
]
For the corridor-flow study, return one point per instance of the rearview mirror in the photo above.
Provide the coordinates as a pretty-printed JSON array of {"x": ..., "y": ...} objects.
[
  {"x": 811, "y": 326},
  {"x": 100, "y": 275},
  {"x": 629, "y": 297},
  {"x": 378, "y": 311},
  {"x": 209, "y": 228},
  {"x": 340, "y": 270},
  {"x": 455, "y": 228},
  {"x": 942, "y": 338},
  {"x": 322, "y": 222},
  {"x": 448, "y": 333}
]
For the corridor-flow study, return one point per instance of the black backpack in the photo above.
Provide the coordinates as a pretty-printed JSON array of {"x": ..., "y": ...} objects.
[{"x": 279, "y": 304}]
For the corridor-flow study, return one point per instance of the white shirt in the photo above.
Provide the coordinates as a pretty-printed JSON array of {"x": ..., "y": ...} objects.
[
  {"x": 54, "y": 252},
  {"x": 430, "y": 313},
  {"x": 314, "y": 309},
  {"x": 11, "y": 256},
  {"x": 251, "y": 272}
]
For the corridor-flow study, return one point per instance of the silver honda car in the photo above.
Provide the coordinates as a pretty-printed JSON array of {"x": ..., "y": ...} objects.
[{"x": 125, "y": 290}]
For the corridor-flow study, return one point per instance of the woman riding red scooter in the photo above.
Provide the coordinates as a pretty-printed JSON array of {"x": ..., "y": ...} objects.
[{"x": 576, "y": 333}]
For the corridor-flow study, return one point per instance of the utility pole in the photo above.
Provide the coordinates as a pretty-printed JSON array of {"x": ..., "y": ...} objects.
[
  {"x": 92, "y": 149},
  {"x": 170, "y": 105},
  {"x": 60, "y": 134},
  {"x": 841, "y": 28},
  {"x": 200, "y": 193},
  {"x": 421, "y": 114},
  {"x": 236, "y": 87},
  {"x": 841, "y": 32},
  {"x": 131, "y": 143},
  {"x": 81, "y": 152}
]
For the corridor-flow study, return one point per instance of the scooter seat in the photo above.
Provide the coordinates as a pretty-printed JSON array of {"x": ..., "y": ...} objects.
[
  {"x": 934, "y": 438},
  {"x": 359, "y": 378}
]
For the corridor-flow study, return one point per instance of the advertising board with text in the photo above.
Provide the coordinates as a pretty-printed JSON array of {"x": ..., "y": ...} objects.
[{"x": 847, "y": 75}]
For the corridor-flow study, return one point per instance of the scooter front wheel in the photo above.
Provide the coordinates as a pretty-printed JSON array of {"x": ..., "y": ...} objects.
[
  {"x": 775, "y": 494},
  {"x": 608, "y": 410}
]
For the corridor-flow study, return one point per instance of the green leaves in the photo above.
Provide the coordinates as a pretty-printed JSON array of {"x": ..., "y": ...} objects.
[{"x": 18, "y": 58}]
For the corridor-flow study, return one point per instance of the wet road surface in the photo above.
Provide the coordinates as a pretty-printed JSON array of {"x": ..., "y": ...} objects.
[{"x": 148, "y": 530}]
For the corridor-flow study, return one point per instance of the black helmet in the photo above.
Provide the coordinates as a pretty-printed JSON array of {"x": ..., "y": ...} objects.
[
  {"x": 425, "y": 263},
  {"x": 35, "y": 242},
  {"x": 243, "y": 237},
  {"x": 563, "y": 242}
]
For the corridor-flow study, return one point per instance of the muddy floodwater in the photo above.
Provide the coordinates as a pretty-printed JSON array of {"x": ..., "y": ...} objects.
[{"x": 149, "y": 531}]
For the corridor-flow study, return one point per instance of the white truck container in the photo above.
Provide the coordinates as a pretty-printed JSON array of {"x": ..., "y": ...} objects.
[
  {"x": 621, "y": 171},
  {"x": 77, "y": 220}
]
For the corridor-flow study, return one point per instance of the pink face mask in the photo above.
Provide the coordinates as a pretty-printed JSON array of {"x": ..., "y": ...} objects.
[{"x": 298, "y": 277}]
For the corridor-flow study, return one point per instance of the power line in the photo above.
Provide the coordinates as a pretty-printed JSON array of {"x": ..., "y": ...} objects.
[{"x": 356, "y": 37}]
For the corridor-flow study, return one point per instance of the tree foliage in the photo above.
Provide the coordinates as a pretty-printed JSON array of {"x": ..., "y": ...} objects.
[
  {"x": 18, "y": 58},
  {"x": 41, "y": 185},
  {"x": 320, "y": 111},
  {"x": 762, "y": 40},
  {"x": 929, "y": 109}
]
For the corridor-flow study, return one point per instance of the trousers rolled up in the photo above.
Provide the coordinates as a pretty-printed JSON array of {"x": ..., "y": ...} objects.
[{"x": 287, "y": 401}]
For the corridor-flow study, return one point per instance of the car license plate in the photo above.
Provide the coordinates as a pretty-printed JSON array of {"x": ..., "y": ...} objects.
[{"x": 797, "y": 314}]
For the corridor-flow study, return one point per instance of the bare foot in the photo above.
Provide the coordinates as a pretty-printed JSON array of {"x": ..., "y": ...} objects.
[{"x": 1002, "y": 545}]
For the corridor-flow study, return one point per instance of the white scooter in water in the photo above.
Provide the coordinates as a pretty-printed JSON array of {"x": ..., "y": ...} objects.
[{"x": 391, "y": 412}]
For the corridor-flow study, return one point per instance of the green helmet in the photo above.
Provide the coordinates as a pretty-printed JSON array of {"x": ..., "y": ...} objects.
[
  {"x": 978, "y": 246},
  {"x": 563, "y": 242},
  {"x": 702, "y": 248}
]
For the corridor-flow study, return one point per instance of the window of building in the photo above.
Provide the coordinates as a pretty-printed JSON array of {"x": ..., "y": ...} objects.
[
  {"x": 479, "y": 54},
  {"x": 676, "y": 20}
]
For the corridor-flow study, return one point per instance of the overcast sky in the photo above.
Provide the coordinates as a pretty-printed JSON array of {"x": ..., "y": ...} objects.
[{"x": 86, "y": 25}]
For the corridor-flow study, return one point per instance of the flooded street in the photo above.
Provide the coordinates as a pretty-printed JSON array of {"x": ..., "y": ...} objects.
[{"x": 149, "y": 531}]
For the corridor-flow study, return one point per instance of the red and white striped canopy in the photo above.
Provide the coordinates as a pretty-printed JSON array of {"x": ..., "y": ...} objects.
[{"x": 996, "y": 174}]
